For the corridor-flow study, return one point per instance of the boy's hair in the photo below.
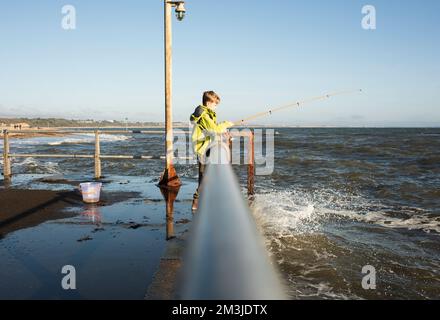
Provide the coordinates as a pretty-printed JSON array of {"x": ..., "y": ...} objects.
[{"x": 210, "y": 96}]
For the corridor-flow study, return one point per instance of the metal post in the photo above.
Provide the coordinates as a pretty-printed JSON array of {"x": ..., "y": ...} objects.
[
  {"x": 251, "y": 164},
  {"x": 169, "y": 177},
  {"x": 6, "y": 160},
  {"x": 97, "y": 156}
]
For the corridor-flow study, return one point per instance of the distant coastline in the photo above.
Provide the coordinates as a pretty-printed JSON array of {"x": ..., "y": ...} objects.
[
  {"x": 72, "y": 123},
  {"x": 33, "y": 125},
  {"x": 29, "y": 127}
]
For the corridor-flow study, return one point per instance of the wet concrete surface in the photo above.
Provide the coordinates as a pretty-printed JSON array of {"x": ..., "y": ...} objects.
[{"x": 119, "y": 247}]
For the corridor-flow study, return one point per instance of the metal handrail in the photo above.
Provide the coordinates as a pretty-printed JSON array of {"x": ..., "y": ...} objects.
[
  {"x": 97, "y": 156},
  {"x": 90, "y": 156},
  {"x": 131, "y": 131},
  {"x": 226, "y": 258}
]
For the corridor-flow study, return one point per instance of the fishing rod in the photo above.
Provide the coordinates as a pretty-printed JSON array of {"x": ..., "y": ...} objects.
[{"x": 295, "y": 104}]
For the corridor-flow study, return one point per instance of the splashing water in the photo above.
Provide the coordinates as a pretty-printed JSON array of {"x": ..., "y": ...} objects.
[
  {"x": 299, "y": 211},
  {"x": 321, "y": 240},
  {"x": 284, "y": 212},
  {"x": 32, "y": 165}
]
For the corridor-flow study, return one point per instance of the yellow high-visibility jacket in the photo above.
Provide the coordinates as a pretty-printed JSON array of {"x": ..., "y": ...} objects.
[{"x": 205, "y": 128}]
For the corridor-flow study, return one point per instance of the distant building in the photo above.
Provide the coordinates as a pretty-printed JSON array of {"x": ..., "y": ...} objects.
[
  {"x": 14, "y": 126},
  {"x": 24, "y": 125}
]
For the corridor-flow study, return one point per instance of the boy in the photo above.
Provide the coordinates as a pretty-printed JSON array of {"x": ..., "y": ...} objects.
[{"x": 205, "y": 124}]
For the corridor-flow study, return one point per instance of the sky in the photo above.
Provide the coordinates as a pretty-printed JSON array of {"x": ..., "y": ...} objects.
[{"x": 255, "y": 54}]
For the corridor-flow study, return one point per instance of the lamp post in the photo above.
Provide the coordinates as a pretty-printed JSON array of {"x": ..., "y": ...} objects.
[{"x": 169, "y": 177}]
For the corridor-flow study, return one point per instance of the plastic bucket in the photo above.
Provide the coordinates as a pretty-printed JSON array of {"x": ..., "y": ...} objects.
[{"x": 90, "y": 191}]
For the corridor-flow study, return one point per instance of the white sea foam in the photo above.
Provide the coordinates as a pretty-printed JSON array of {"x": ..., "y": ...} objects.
[
  {"x": 69, "y": 139},
  {"x": 283, "y": 213},
  {"x": 87, "y": 138},
  {"x": 421, "y": 221},
  {"x": 41, "y": 167},
  {"x": 324, "y": 289}
]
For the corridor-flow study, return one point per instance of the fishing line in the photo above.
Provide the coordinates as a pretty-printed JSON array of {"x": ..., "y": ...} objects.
[{"x": 295, "y": 104}]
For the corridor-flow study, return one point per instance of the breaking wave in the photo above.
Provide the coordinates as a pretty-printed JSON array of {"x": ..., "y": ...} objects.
[
  {"x": 283, "y": 213},
  {"x": 32, "y": 165},
  {"x": 85, "y": 138},
  {"x": 88, "y": 138}
]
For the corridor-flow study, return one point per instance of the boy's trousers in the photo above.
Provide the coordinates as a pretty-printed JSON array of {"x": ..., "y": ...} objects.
[{"x": 202, "y": 170}]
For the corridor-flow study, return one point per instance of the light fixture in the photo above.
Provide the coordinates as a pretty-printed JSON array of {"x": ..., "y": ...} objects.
[{"x": 180, "y": 10}]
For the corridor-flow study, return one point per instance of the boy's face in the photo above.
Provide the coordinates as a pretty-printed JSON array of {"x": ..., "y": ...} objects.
[{"x": 212, "y": 105}]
